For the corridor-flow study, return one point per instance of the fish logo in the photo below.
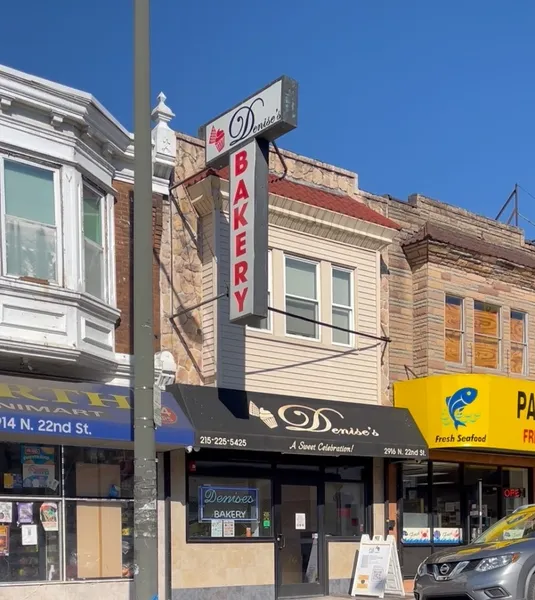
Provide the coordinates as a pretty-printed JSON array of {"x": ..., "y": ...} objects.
[{"x": 457, "y": 402}]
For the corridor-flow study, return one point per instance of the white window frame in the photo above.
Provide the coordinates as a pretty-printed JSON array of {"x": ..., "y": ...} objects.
[
  {"x": 104, "y": 233},
  {"x": 57, "y": 214},
  {"x": 269, "y": 328},
  {"x": 462, "y": 331},
  {"x": 482, "y": 335},
  {"x": 317, "y": 300},
  {"x": 350, "y": 308},
  {"x": 524, "y": 343}
]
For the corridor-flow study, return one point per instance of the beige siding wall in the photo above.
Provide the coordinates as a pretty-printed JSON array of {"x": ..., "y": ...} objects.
[
  {"x": 209, "y": 290},
  {"x": 262, "y": 361}
]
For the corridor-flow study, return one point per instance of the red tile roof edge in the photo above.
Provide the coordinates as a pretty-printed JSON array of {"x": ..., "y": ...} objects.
[{"x": 311, "y": 195}]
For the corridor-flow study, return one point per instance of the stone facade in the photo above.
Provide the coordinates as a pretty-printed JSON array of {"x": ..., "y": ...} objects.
[{"x": 481, "y": 259}]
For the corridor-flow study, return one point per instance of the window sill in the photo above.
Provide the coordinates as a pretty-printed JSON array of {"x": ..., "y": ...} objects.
[
  {"x": 223, "y": 540},
  {"x": 64, "y": 582},
  {"x": 57, "y": 324}
]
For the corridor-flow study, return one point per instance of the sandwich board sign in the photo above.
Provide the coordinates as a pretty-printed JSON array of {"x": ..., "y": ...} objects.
[
  {"x": 240, "y": 138},
  {"x": 378, "y": 569}
]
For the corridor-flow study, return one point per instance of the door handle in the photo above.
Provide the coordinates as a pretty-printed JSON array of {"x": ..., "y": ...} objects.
[{"x": 281, "y": 540}]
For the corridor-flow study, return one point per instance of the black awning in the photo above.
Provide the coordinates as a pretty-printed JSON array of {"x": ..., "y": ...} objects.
[{"x": 236, "y": 419}]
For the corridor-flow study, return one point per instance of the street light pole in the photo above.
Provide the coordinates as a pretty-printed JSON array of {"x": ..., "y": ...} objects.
[{"x": 145, "y": 493}]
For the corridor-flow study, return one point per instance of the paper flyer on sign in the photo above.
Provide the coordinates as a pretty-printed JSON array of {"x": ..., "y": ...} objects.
[
  {"x": 29, "y": 535},
  {"x": 48, "y": 513},
  {"x": 228, "y": 528},
  {"x": 37, "y": 476},
  {"x": 4, "y": 540},
  {"x": 216, "y": 527},
  {"x": 25, "y": 513},
  {"x": 300, "y": 520},
  {"x": 374, "y": 557},
  {"x": 6, "y": 512}
]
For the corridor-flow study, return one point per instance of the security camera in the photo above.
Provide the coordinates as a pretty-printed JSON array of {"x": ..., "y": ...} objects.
[
  {"x": 196, "y": 449},
  {"x": 189, "y": 449}
]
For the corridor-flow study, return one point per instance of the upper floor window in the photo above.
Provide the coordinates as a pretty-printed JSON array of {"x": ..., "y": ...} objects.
[
  {"x": 302, "y": 297},
  {"x": 519, "y": 342},
  {"x": 93, "y": 242},
  {"x": 342, "y": 305},
  {"x": 454, "y": 329},
  {"x": 265, "y": 324},
  {"x": 487, "y": 335},
  {"x": 30, "y": 217}
]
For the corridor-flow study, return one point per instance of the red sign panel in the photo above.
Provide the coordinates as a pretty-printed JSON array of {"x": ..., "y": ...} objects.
[
  {"x": 248, "y": 205},
  {"x": 513, "y": 492}
]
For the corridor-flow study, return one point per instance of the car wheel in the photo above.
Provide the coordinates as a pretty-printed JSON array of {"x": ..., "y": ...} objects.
[{"x": 530, "y": 593}]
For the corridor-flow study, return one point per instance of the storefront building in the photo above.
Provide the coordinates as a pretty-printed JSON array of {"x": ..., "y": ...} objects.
[
  {"x": 287, "y": 471},
  {"x": 66, "y": 487},
  {"x": 277, "y": 491},
  {"x": 480, "y": 431},
  {"x": 66, "y": 181},
  {"x": 460, "y": 307}
]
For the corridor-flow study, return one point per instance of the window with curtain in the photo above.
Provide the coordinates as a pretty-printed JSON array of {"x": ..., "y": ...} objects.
[
  {"x": 453, "y": 329},
  {"x": 519, "y": 343},
  {"x": 30, "y": 221},
  {"x": 93, "y": 243},
  {"x": 487, "y": 335},
  {"x": 302, "y": 297},
  {"x": 265, "y": 324},
  {"x": 342, "y": 305}
]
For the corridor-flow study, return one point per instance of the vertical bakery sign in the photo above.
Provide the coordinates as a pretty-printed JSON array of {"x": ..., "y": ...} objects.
[{"x": 240, "y": 138}]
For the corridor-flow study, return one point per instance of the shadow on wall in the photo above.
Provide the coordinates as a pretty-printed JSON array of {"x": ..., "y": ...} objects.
[{"x": 183, "y": 275}]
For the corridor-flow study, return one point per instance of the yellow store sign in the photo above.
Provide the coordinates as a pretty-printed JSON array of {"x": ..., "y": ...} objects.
[{"x": 471, "y": 411}]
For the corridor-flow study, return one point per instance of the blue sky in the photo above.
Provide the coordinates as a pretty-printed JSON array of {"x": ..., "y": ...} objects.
[{"x": 420, "y": 96}]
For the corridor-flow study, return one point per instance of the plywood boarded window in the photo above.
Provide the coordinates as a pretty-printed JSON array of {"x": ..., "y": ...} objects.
[
  {"x": 487, "y": 335},
  {"x": 454, "y": 329},
  {"x": 519, "y": 346}
]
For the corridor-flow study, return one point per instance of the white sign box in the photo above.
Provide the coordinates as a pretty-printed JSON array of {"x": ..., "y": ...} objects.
[
  {"x": 268, "y": 114},
  {"x": 378, "y": 569}
]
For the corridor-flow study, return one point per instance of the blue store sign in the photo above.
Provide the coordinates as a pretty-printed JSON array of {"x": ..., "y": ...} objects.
[
  {"x": 82, "y": 411},
  {"x": 221, "y": 502}
]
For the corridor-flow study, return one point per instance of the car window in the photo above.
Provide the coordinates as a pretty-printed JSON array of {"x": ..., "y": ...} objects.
[{"x": 519, "y": 525}]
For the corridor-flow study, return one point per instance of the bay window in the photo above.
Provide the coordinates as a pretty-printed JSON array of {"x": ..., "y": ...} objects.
[
  {"x": 302, "y": 292},
  {"x": 30, "y": 206},
  {"x": 93, "y": 243},
  {"x": 342, "y": 305}
]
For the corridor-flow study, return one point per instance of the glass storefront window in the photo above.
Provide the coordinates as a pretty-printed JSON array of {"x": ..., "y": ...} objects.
[
  {"x": 220, "y": 507},
  {"x": 29, "y": 470},
  {"x": 446, "y": 511},
  {"x": 344, "y": 509},
  {"x": 65, "y": 506},
  {"x": 515, "y": 488},
  {"x": 99, "y": 473},
  {"x": 29, "y": 541},
  {"x": 415, "y": 503}
]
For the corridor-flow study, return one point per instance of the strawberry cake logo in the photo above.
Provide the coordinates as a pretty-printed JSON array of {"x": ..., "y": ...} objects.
[{"x": 217, "y": 138}]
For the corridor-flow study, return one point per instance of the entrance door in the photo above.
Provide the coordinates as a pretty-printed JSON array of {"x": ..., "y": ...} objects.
[{"x": 299, "y": 545}]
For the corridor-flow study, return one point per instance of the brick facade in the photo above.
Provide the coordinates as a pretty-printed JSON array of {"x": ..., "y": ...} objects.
[
  {"x": 444, "y": 249},
  {"x": 123, "y": 265}
]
